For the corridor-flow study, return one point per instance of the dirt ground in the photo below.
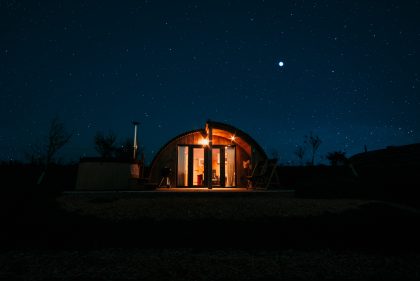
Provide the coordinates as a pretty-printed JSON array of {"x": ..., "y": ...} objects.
[
  {"x": 187, "y": 264},
  {"x": 115, "y": 236},
  {"x": 117, "y": 207}
]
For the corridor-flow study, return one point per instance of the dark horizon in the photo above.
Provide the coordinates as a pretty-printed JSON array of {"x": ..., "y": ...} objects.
[{"x": 348, "y": 72}]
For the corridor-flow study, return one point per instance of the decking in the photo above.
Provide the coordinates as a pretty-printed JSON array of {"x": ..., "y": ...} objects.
[{"x": 190, "y": 191}]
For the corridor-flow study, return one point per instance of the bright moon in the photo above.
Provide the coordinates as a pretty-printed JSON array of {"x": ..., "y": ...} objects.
[{"x": 281, "y": 64}]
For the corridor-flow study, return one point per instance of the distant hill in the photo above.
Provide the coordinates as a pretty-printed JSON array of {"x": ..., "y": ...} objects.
[
  {"x": 393, "y": 172},
  {"x": 392, "y": 156}
]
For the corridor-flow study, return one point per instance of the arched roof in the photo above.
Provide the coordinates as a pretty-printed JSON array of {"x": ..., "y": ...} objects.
[
  {"x": 242, "y": 138},
  {"x": 219, "y": 129}
]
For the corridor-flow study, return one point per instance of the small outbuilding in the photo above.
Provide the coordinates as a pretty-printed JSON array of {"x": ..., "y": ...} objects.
[
  {"x": 219, "y": 155},
  {"x": 95, "y": 173}
]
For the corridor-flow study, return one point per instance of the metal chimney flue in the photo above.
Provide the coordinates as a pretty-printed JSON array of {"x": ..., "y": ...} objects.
[{"x": 135, "y": 145}]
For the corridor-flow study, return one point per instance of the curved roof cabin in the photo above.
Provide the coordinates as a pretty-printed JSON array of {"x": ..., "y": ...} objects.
[{"x": 218, "y": 156}]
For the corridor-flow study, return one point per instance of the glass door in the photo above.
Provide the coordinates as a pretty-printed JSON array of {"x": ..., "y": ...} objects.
[
  {"x": 193, "y": 162},
  {"x": 216, "y": 162},
  {"x": 230, "y": 174},
  {"x": 182, "y": 173},
  {"x": 198, "y": 166}
]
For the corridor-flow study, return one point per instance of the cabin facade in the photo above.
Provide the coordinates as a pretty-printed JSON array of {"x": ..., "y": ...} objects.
[{"x": 219, "y": 155}]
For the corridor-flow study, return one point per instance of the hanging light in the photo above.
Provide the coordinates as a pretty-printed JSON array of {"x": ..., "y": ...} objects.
[{"x": 204, "y": 142}]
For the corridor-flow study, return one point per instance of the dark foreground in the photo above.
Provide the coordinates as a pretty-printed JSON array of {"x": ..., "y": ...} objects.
[{"x": 207, "y": 237}]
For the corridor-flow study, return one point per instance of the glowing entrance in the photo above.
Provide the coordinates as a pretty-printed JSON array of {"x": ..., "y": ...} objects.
[
  {"x": 193, "y": 162},
  {"x": 230, "y": 169},
  {"x": 198, "y": 167},
  {"x": 182, "y": 175}
]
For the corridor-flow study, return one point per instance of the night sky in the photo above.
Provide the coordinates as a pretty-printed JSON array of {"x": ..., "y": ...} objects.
[{"x": 350, "y": 72}]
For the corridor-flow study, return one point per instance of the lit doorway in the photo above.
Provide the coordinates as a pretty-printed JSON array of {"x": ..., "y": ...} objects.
[
  {"x": 193, "y": 163},
  {"x": 230, "y": 169},
  {"x": 216, "y": 162},
  {"x": 198, "y": 166},
  {"x": 182, "y": 167}
]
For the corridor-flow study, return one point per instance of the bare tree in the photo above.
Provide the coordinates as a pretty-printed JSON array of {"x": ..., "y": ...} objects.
[
  {"x": 300, "y": 153},
  {"x": 337, "y": 158},
  {"x": 105, "y": 145},
  {"x": 314, "y": 142},
  {"x": 56, "y": 139}
]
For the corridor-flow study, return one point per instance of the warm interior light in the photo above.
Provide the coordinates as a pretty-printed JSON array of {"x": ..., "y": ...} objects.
[{"x": 204, "y": 142}]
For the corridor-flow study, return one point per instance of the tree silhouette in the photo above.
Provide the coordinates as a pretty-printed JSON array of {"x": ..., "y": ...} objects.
[
  {"x": 56, "y": 139},
  {"x": 314, "y": 142},
  {"x": 105, "y": 144},
  {"x": 337, "y": 158},
  {"x": 300, "y": 153}
]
